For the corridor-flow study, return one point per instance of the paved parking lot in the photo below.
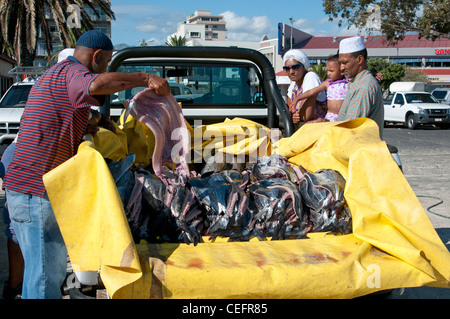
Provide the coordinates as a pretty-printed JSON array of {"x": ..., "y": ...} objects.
[{"x": 424, "y": 153}]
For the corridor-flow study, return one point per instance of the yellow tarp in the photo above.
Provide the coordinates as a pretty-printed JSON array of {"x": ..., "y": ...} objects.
[{"x": 393, "y": 243}]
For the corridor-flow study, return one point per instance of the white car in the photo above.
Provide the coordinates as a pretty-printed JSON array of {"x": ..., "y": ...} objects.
[
  {"x": 11, "y": 109},
  {"x": 413, "y": 107}
]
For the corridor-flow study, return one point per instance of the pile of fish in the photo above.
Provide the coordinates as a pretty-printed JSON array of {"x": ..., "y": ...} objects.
[{"x": 267, "y": 199}]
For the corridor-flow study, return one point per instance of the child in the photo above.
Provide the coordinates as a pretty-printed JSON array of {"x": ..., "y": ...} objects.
[{"x": 336, "y": 86}]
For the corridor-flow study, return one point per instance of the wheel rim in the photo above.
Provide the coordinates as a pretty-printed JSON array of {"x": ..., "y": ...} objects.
[{"x": 410, "y": 121}]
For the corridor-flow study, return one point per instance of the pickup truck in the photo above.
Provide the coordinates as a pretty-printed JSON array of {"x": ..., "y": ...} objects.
[{"x": 415, "y": 107}]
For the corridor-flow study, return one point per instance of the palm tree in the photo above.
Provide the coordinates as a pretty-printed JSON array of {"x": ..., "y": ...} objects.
[
  {"x": 320, "y": 69},
  {"x": 176, "y": 41},
  {"x": 20, "y": 21}
]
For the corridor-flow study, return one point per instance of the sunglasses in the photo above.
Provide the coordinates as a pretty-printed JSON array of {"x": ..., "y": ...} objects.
[{"x": 294, "y": 67}]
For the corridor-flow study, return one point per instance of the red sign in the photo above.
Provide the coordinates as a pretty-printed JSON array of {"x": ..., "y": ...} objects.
[{"x": 442, "y": 51}]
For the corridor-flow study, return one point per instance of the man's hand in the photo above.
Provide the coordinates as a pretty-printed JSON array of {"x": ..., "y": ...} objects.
[
  {"x": 379, "y": 76},
  {"x": 99, "y": 119},
  {"x": 106, "y": 123},
  {"x": 160, "y": 85}
]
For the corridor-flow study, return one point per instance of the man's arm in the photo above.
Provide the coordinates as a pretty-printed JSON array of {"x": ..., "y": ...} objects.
[{"x": 109, "y": 83}]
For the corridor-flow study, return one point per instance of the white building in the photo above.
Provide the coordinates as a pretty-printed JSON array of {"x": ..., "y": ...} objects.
[{"x": 204, "y": 29}]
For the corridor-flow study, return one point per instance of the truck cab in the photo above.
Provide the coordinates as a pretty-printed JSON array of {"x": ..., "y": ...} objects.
[
  {"x": 409, "y": 104},
  {"x": 210, "y": 83}
]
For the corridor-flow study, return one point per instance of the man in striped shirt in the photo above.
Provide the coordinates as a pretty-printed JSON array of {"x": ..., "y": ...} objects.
[
  {"x": 52, "y": 127},
  {"x": 364, "y": 97}
]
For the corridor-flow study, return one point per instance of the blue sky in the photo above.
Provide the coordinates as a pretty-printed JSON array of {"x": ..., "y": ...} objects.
[{"x": 247, "y": 20}]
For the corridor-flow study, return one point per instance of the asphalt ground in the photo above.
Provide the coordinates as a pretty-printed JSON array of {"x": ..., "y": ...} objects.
[{"x": 424, "y": 153}]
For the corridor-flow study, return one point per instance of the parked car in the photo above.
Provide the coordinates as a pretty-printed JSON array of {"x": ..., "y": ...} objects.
[
  {"x": 442, "y": 95},
  {"x": 413, "y": 107},
  {"x": 11, "y": 108}
]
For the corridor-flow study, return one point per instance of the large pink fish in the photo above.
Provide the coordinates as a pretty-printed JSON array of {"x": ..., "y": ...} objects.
[{"x": 164, "y": 117}]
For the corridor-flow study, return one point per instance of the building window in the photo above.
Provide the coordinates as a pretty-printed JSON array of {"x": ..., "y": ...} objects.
[
  {"x": 438, "y": 62},
  {"x": 408, "y": 62},
  {"x": 41, "y": 50},
  {"x": 102, "y": 29},
  {"x": 195, "y": 34},
  {"x": 40, "y": 63}
]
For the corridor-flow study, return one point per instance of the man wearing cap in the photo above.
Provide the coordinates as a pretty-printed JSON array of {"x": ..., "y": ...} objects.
[
  {"x": 364, "y": 97},
  {"x": 53, "y": 124}
]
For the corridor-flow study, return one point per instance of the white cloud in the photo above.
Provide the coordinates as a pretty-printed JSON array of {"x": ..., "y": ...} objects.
[
  {"x": 133, "y": 9},
  {"x": 246, "y": 29},
  {"x": 147, "y": 27},
  {"x": 160, "y": 24}
]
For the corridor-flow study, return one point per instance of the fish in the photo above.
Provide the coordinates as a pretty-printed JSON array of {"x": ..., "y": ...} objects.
[
  {"x": 274, "y": 166},
  {"x": 225, "y": 203},
  {"x": 268, "y": 199},
  {"x": 163, "y": 115},
  {"x": 323, "y": 193},
  {"x": 280, "y": 213}
]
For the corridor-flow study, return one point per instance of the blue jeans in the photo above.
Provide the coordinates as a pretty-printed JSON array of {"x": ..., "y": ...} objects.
[{"x": 42, "y": 245}]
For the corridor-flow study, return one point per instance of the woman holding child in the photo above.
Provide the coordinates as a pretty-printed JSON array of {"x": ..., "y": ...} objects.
[{"x": 296, "y": 65}]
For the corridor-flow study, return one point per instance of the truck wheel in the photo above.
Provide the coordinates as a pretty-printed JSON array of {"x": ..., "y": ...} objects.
[{"x": 411, "y": 122}]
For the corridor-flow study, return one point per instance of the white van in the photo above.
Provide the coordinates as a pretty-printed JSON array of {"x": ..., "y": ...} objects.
[{"x": 442, "y": 95}]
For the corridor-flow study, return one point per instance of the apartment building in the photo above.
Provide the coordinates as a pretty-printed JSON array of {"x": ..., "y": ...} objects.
[
  {"x": 204, "y": 29},
  {"x": 204, "y": 26},
  {"x": 101, "y": 22}
]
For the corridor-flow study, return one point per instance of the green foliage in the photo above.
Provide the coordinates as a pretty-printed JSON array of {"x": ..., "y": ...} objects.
[
  {"x": 392, "y": 72},
  {"x": 21, "y": 21},
  {"x": 394, "y": 18},
  {"x": 415, "y": 75},
  {"x": 320, "y": 70},
  {"x": 176, "y": 41}
]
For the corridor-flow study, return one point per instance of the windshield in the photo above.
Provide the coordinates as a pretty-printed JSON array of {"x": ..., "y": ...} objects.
[
  {"x": 420, "y": 98},
  {"x": 206, "y": 84},
  {"x": 16, "y": 96},
  {"x": 440, "y": 94},
  {"x": 389, "y": 99}
]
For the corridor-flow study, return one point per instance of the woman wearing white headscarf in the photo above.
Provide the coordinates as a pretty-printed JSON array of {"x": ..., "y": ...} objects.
[{"x": 296, "y": 65}]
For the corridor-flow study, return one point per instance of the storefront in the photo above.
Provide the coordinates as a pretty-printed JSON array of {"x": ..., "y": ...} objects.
[{"x": 431, "y": 57}]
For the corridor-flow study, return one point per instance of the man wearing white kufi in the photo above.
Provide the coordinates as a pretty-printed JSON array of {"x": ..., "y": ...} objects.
[{"x": 364, "y": 97}]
